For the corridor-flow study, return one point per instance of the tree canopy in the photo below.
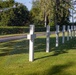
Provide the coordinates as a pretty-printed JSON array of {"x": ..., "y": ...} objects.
[
  {"x": 13, "y": 14},
  {"x": 43, "y": 12},
  {"x": 6, "y": 3},
  {"x": 52, "y": 11}
]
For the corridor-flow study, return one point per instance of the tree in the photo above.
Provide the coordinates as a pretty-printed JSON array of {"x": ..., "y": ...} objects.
[
  {"x": 36, "y": 16},
  {"x": 6, "y": 3},
  {"x": 47, "y": 10},
  {"x": 14, "y": 16},
  {"x": 62, "y": 11},
  {"x": 21, "y": 16},
  {"x": 56, "y": 11},
  {"x": 40, "y": 12}
]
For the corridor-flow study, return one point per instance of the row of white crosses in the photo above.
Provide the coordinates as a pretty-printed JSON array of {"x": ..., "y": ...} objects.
[
  {"x": 31, "y": 36},
  {"x": 70, "y": 33}
]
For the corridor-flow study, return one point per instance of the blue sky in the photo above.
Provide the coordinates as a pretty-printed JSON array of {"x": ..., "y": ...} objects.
[{"x": 28, "y": 3}]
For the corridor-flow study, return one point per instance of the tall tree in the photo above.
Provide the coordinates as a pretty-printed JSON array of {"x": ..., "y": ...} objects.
[
  {"x": 14, "y": 16},
  {"x": 46, "y": 9},
  {"x": 36, "y": 15},
  {"x": 6, "y": 3},
  {"x": 43, "y": 8},
  {"x": 55, "y": 9}
]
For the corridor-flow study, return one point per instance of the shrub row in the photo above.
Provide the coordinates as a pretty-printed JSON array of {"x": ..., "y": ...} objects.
[
  {"x": 17, "y": 30},
  {"x": 13, "y": 30}
]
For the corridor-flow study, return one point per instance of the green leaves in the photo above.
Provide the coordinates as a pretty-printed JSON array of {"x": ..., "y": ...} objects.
[
  {"x": 7, "y": 3},
  {"x": 17, "y": 16},
  {"x": 56, "y": 11}
]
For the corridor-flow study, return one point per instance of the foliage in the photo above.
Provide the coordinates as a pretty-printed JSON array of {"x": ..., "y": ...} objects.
[
  {"x": 14, "y": 16},
  {"x": 13, "y": 30},
  {"x": 43, "y": 12},
  {"x": 19, "y": 18},
  {"x": 6, "y": 3},
  {"x": 20, "y": 29},
  {"x": 62, "y": 11},
  {"x": 49, "y": 10},
  {"x": 36, "y": 16}
]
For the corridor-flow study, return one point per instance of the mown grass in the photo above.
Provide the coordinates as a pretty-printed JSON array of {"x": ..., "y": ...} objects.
[{"x": 59, "y": 61}]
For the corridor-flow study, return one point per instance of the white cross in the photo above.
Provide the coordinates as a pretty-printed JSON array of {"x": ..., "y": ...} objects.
[
  {"x": 71, "y": 32},
  {"x": 75, "y": 30},
  {"x": 63, "y": 37},
  {"x": 31, "y": 36},
  {"x": 47, "y": 38},
  {"x": 68, "y": 30},
  {"x": 57, "y": 35}
]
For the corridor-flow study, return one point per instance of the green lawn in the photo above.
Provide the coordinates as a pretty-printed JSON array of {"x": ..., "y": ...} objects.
[{"x": 60, "y": 61}]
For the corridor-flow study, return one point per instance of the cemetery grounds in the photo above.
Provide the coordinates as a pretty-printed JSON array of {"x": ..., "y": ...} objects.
[{"x": 14, "y": 57}]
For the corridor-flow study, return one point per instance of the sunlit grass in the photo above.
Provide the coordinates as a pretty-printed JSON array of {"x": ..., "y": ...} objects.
[{"x": 59, "y": 61}]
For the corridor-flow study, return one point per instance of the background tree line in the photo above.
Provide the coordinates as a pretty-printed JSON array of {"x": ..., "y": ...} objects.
[
  {"x": 13, "y": 14},
  {"x": 43, "y": 12},
  {"x": 51, "y": 12}
]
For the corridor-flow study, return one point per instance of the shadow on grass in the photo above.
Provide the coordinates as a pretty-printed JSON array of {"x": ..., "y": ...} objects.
[
  {"x": 63, "y": 48},
  {"x": 3, "y": 54},
  {"x": 40, "y": 46},
  {"x": 57, "y": 70},
  {"x": 14, "y": 47},
  {"x": 60, "y": 69},
  {"x": 18, "y": 47}
]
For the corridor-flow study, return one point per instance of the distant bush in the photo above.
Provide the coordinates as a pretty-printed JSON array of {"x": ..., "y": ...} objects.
[
  {"x": 18, "y": 30},
  {"x": 13, "y": 30}
]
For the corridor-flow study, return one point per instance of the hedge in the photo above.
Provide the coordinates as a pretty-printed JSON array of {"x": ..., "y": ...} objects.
[{"x": 17, "y": 30}]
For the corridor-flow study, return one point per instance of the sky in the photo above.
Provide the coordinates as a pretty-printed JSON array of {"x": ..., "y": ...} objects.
[{"x": 28, "y": 3}]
